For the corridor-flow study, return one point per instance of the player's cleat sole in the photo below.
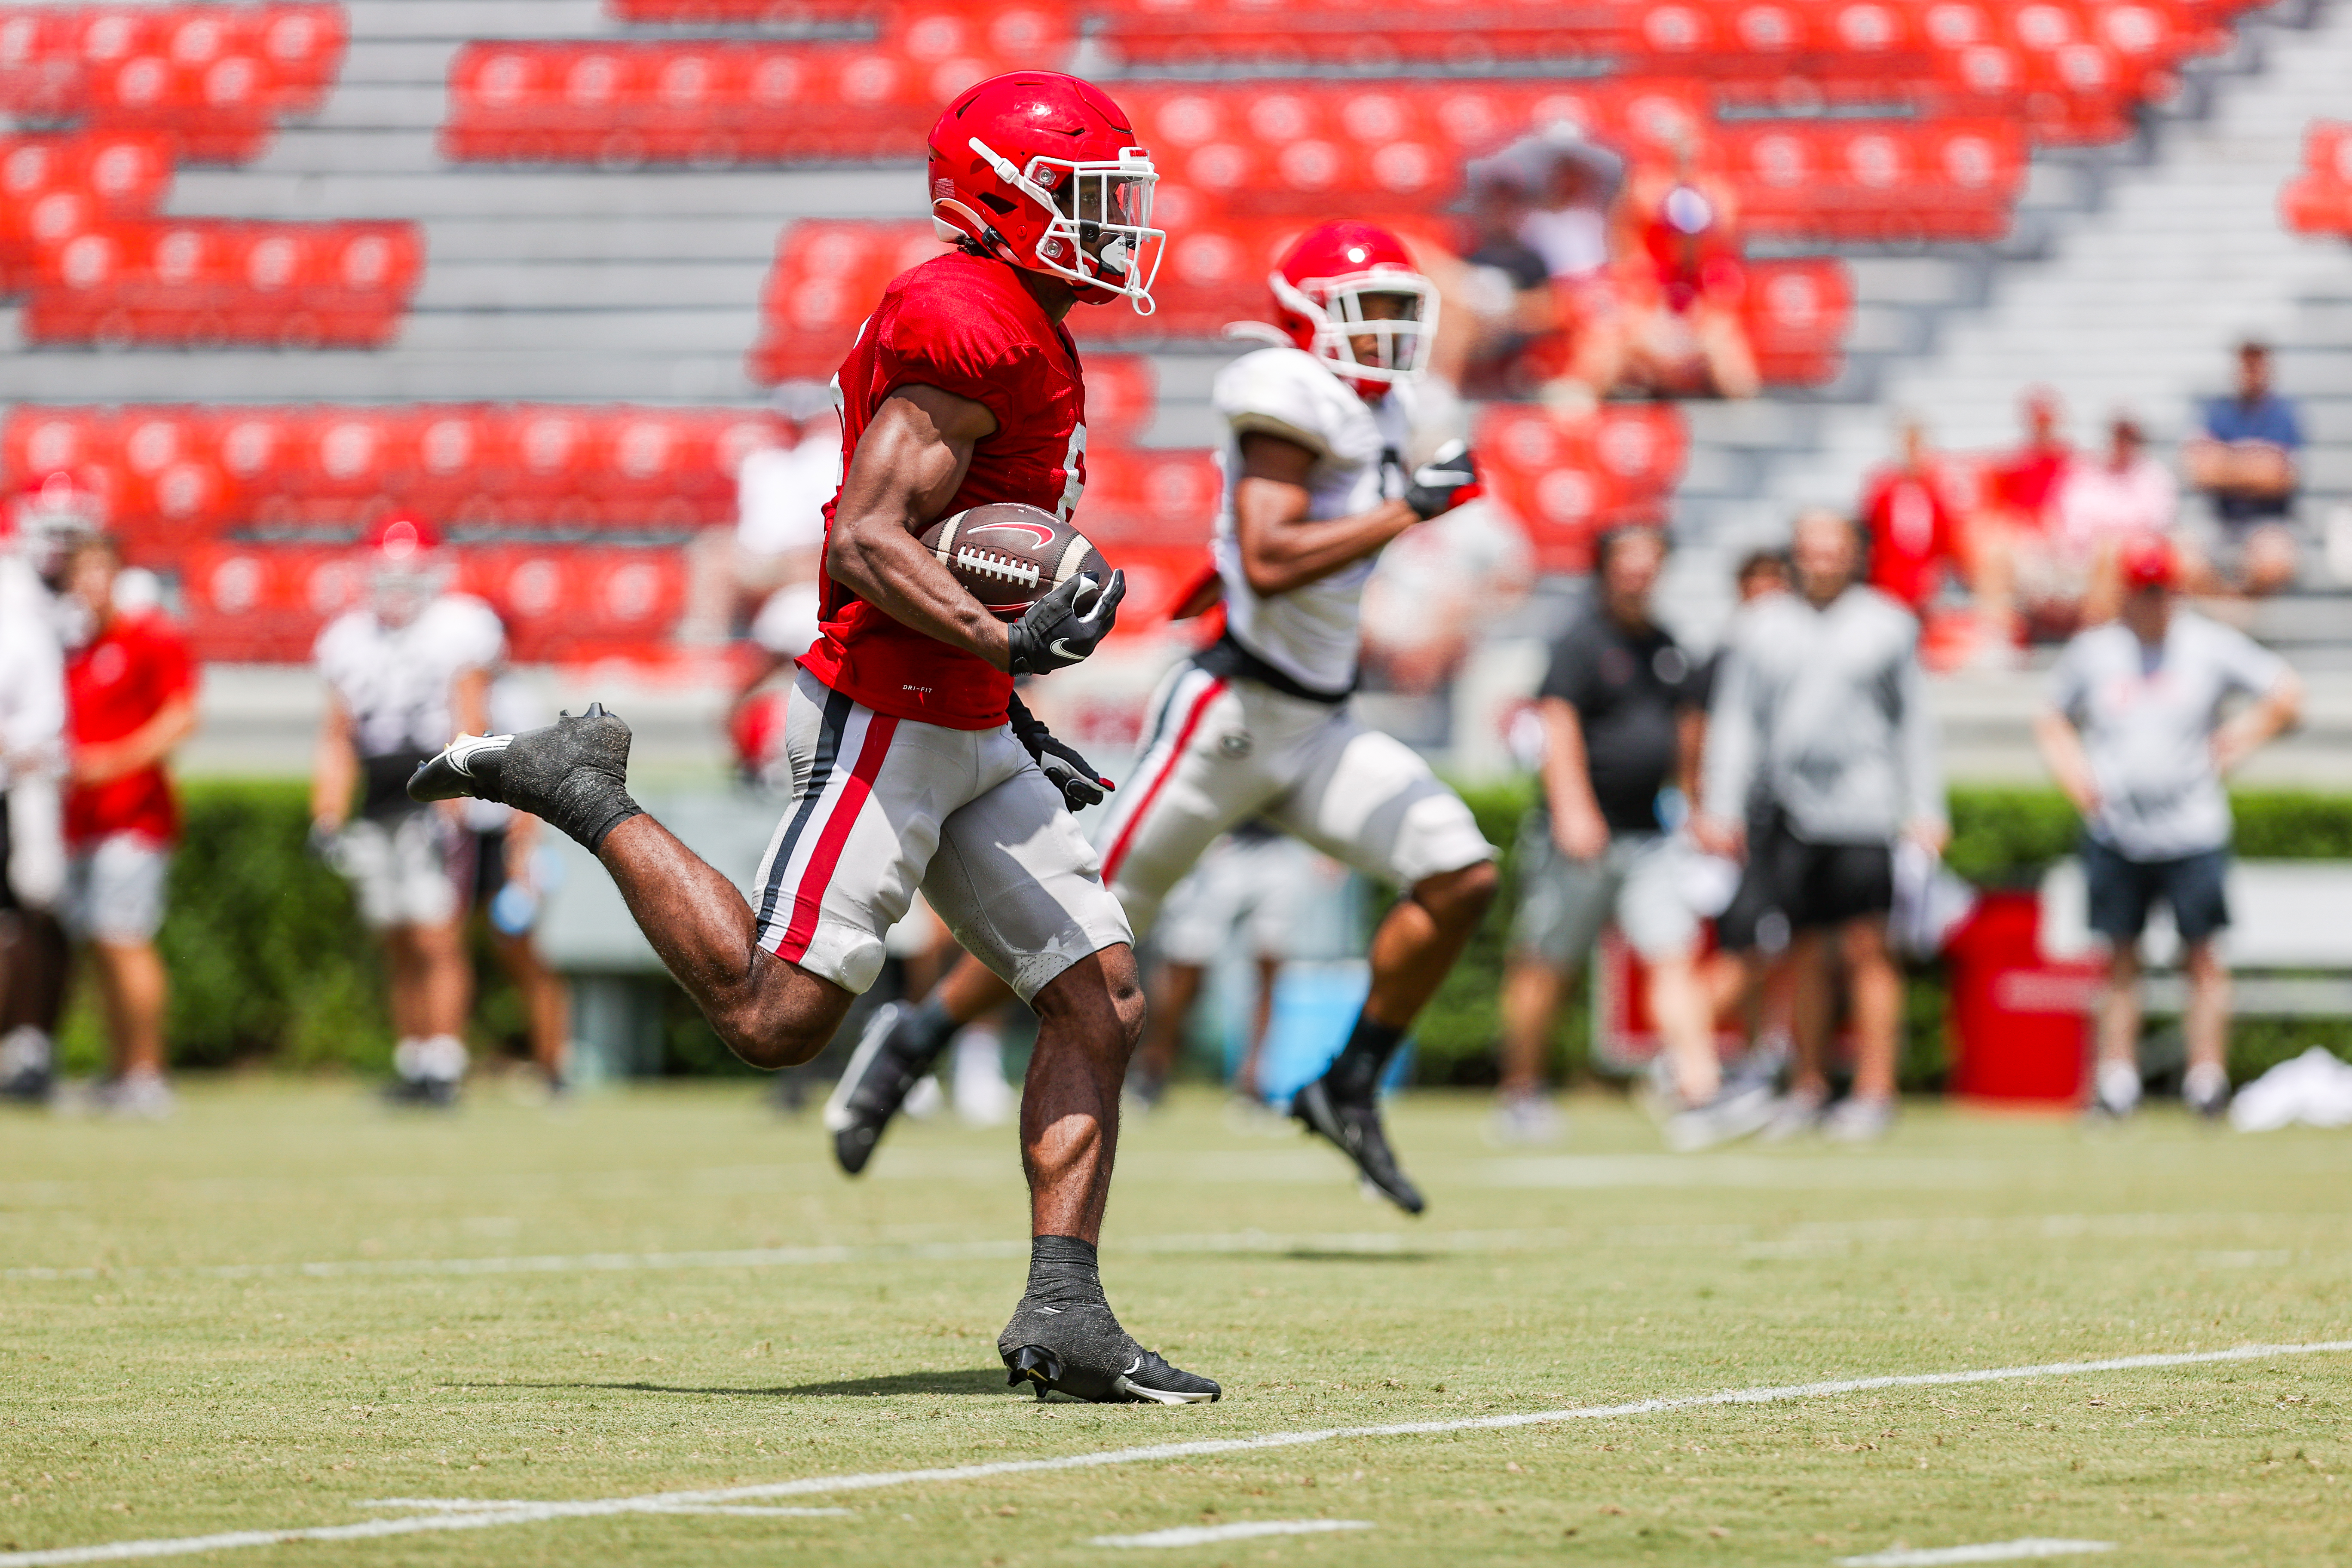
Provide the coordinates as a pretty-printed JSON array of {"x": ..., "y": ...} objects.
[
  {"x": 1080, "y": 1352},
  {"x": 873, "y": 1090},
  {"x": 1355, "y": 1130},
  {"x": 573, "y": 774}
]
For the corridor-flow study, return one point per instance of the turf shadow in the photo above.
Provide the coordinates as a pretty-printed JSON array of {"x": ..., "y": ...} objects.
[
  {"x": 1314, "y": 1255},
  {"x": 978, "y": 1380}
]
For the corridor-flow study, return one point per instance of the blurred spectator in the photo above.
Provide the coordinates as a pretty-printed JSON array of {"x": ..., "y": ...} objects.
[
  {"x": 1521, "y": 308},
  {"x": 2023, "y": 580},
  {"x": 2244, "y": 463},
  {"x": 2135, "y": 735},
  {"x": 1746, "y": 977},
  {"x": 504, "y": 877},
  {"x": 1250, "y": 881},
  {"x": 1822, "y": 699},
  {"x": 41, "y": 527},
  {"x": 1916, "y": 539},
  {"x": 1680, "y": 284},
  {"x": 780, "y": 492},
  {"x": 131, "y": 698},
  {"x": 1435, "y": 592},
  {"x": 1615, "y": 707},
  {"x": 32, "y": 861},
  {"x": 405, "y": 672},
  {"x": 2102, "y": 506}
]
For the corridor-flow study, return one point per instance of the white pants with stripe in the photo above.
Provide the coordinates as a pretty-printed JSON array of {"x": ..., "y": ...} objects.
[
  {"x": 883, "y": 806},
  {"x": 1219, "y": 750}
]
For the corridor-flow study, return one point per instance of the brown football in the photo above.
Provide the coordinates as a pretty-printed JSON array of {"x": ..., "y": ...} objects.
[{"x": 1012, "y": 555}]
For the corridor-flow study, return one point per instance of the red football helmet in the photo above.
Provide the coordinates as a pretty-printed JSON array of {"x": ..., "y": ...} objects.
[
  {"x": 1042, "y": 169},
  {"x": 405, "y": 567},
  {"x": 1325, "y": 295}
]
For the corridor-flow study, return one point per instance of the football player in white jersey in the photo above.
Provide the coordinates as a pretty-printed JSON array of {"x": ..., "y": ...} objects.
[
  {"x": 1316, "y": 484},
  {"x": 405, "y": 671},
  {"x": 36, "y": 537}
]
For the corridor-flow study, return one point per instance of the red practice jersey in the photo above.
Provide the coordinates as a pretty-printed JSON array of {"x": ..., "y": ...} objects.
[
  {"x": 113, "y": 686},
  {"x": 1914, "y": 536},
  {"x": 964, "y": 324}
]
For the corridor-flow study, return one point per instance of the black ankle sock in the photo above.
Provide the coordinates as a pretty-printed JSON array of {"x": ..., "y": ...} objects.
[
  {"x": 923, "y": 1033},
  {"x": 1063, "y": 1272},
  {"x": 1356, "y": 1074}
]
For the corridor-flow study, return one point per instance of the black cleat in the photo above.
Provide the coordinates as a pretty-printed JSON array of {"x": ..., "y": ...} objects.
[
  {"x": 1356, "y": 1128},
  {"x": 421, "y": 1093},
  {"x": 573, "y": 774},
  {"x": 1080, "y": 1352},
  {"x": 882, "y": 1071}
]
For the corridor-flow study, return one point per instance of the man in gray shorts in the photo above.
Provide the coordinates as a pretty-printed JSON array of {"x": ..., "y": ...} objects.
[
  {"x": 1619, "y": 730},
  {"x": 2134, "y": 733}
]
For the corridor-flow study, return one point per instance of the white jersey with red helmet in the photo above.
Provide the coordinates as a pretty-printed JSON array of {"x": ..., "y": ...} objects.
[
  {"x": 1045, "y": 172},
  {"x": 396, "y": 679},
  {"x": 1309, "y": 634}
]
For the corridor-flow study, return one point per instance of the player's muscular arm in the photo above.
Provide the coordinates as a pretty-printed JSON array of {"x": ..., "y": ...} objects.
[
  {"x": 905, "y": 469},
  {"x": 1282, "y": 551}
]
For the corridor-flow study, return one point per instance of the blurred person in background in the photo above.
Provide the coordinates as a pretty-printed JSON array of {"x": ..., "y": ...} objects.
[
  {"x": 1436, "y": 593},
  {"x": 2023, "y": 580},
  {"x": 2135, "y": 735},
  {"x": 1525, "y": 306},
  {"x": 781, "y": 490},
  {"x": 131, "y": 698},
  {"x": 1620, "y": 733},
  {"x": 1251, "y": 882},
  {"x": 405, "y": 672},
  {"x": 1822, "y": 699},
  {"x": 2103, "y": 507},
  {"x": 43, "y": 526},
  {"x": 504, "y": 877},
  {"x": 1680, "y": 283},
  {"x": 1917, "y": 542},
  {"x": 2243, "y": 462},
  {"x": 1746, "y": 977}
]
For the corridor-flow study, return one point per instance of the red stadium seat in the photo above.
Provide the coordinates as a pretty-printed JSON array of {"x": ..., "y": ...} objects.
[
  {"x": 1567, "y": 477},
  {"x": 2319, "y": 200},
  {"x": 1796, "y": 313},
  {"x": 826, "y": 280},
  {"x": 1150, "y": 496},
  {"x": 1123, "y": 396}
]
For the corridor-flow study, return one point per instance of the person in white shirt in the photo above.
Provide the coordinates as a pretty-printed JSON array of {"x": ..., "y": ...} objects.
[
  {"x": 36, "y": 537},
  {"x": 773, "y": 550},
  {"x": 404, "y": 672},
  {"x": 1317, "y": 485},
  {"x": 2100, "y": 508},
  {"x": 2135, "y": 735}
]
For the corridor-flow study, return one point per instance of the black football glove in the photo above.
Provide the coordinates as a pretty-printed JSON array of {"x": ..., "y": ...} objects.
[
  {"x": 1054, "y": 633},
  {"x": 1437, "y": 485},
  {"x": 1066, "y": 770}
]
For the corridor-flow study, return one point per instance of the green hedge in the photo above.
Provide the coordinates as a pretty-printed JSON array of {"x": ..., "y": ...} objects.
[{"x": 270, "y": 962}]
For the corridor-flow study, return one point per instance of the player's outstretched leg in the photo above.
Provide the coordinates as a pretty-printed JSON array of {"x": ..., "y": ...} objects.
[
  {"x": 1064, "y": 1338},
  {"x": 573, "y": 774},
  {"x": 900, "y": 1044},
  {"x": 1412, "y": 952}
]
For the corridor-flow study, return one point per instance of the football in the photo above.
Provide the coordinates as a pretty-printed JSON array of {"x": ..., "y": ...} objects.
[{"x": 1010, "y": 555}]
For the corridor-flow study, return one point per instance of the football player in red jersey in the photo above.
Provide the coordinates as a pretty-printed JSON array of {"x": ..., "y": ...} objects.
[
  {"x": 1259, "y": 724},
  {"x": 913, "y": 765}
]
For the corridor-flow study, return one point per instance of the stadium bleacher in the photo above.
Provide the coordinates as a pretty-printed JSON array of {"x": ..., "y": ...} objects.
[{"x": 1836, "y": 123}]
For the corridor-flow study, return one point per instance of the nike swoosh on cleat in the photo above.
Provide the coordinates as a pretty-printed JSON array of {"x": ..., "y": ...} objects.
[
  {"x": 1130, "y": 1371},
  {"x": 1051, "y": 1311},
  {"x": 462, "y": 750}
]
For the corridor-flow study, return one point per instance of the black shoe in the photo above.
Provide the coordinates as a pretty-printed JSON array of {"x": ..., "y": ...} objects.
[
  {"x": 573, "y": 774},
  {"x": 1356, "y": 1128},
  {"x": 1078, "y": 1350},
  {"x": 881, "y": 1073},
  {"x": 421, "y": 1093},
  {"x": 28, "y": 1086}
]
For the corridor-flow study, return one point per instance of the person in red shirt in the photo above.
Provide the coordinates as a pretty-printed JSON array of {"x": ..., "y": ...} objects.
[
  {"x": 130, "y": 698},
  {"x": 1916, "y": 537},
  {"x": 2021, "y": 575},
  {"x": 913, "y": 765}
]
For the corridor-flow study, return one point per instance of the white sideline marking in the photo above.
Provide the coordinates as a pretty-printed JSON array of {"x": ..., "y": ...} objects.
[
  {"x": 666, "y": 1502},
  {"x": 1991, "y": 1551},
  {"x": 1204, "y": 1534},
  {"x": 473, "y": 1505}
]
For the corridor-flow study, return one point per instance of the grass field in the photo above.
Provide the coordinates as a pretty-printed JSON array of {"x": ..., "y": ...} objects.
[{"x": 284, "y": 1307}]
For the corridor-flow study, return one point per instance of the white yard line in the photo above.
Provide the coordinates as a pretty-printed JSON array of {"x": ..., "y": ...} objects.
[
  {"x": 1990, "y": 1551},
  {"x": 521, "y": 1513},
  {"x": 1807, "y": 1239},
  {"x": 1208, "y": 1534}
]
